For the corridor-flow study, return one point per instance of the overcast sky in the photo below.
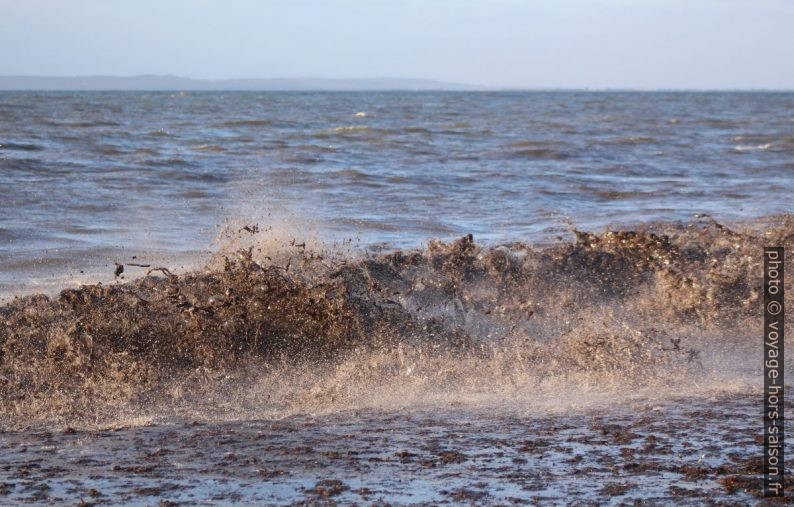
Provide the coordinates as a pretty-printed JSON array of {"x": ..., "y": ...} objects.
[{"x": 514, "y": 43}]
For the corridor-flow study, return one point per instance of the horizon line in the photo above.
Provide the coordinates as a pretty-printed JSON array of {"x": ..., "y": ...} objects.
[{"x": 431, "y": 84}]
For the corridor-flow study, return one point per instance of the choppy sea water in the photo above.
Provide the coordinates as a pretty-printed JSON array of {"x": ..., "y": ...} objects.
[
  {"x": 331, "y": 349},
  {"x": 88, "y": 179}
]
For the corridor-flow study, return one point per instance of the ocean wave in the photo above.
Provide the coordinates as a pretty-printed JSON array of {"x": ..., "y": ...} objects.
[
  {"x": 203, "y": 176},
  {"x": 344, "y": 129},
  {"x": 246, "y": 123},
  {"x": 36, "y": 166},
  {"x": 20, "y": 146},
  {"x": 536, "y": 153},
  {"x": 82, "y": 124},
  {"x": 616, "y": 306},
  {"x": 741, "y": 148},
  {"x": 619, "y": 195},
  {"x": 160, "y": 133},
  {"x": 108, "y": 150},
  {"x": 630, "y": 140},
  {"x": 167, "y": 162},
  {"x": 213, "y": 148},
  {"x": 384, "y": 131},
  {"x": 533, "y": 143}
]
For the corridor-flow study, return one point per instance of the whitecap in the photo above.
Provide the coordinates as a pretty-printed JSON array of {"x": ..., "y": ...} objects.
[{"x": 758, "y": 147}]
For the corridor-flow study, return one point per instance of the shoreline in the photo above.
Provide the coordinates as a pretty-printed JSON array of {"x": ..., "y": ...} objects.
[{"x": 691, "y": 451}]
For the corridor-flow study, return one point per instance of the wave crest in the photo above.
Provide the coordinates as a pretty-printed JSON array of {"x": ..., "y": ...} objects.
[{"x": 618, "y": 306}]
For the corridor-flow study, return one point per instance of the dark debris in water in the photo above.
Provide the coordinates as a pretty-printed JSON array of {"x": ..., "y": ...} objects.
[
  {"x": 450, "y": 297},
  {"x": 285, "y": 462}
]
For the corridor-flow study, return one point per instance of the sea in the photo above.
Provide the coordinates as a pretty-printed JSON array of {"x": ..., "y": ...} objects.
[
  {"x": 405, "y": 298},
  {"x": 89, "y": 179}
]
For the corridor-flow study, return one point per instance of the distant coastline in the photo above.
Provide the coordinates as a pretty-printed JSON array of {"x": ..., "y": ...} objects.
[{"x": 170, "y": 82}]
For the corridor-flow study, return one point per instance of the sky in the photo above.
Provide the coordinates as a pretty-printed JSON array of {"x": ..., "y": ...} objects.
[{"x": 639, "y": 44}]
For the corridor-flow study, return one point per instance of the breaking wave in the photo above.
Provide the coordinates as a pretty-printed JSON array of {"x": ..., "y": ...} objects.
[{"x": 264, "y": 333}]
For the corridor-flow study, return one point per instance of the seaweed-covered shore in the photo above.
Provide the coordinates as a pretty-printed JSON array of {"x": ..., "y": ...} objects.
[{"x": 688, "y": 451}]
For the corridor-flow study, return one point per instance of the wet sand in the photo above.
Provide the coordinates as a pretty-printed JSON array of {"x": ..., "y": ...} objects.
[{"x": 691, "y": 451}]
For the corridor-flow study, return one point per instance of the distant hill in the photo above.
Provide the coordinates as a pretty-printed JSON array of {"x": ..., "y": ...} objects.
[{"x": 168, "y": 82}]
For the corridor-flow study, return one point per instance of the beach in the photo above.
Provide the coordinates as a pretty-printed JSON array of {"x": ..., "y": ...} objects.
[{"x": 689, "y": 451}]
